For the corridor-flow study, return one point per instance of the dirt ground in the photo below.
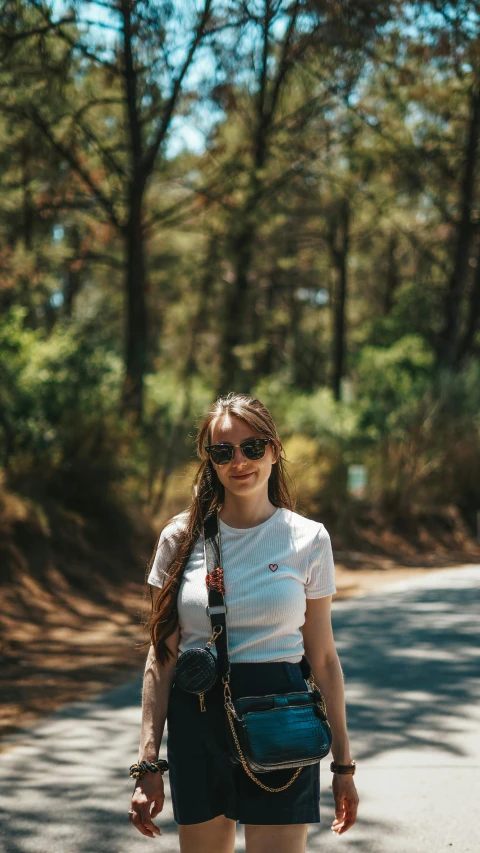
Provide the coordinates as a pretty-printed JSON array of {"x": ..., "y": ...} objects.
[{"x": 59, "y": 644}]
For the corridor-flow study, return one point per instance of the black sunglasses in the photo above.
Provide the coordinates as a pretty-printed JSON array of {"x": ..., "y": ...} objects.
[{"x": 252, "y": 448}]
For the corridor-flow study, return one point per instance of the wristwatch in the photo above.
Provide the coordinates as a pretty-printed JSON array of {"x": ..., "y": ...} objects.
[{"x": 343, "y": 769}]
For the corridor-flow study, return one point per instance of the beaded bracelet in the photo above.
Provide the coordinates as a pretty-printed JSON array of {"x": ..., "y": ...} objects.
[{"x": 137, "y": 770}]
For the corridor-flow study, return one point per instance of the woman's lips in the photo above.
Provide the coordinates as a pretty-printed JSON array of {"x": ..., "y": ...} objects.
[{"x": 242, "y": 476}]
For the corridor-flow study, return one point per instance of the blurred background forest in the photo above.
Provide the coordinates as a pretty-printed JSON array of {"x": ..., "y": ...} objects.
[{"x": 272, "y": 197}]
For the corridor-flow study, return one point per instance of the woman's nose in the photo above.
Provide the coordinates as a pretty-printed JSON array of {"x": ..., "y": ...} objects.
[{"x": 238, "y": 456}]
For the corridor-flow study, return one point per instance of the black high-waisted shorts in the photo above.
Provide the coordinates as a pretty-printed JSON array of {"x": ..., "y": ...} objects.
[{"x": 203, "y": 781}]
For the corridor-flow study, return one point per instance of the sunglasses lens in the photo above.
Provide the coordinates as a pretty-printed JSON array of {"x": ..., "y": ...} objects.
[
  {"x": 254, "y": 449},
  {"x": 221, "y": 454}
]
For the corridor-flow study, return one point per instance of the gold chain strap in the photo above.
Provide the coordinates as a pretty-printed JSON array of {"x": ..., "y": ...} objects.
[
  {"x": 229, "y": 709},
  {"x": 320, "y": 699}
]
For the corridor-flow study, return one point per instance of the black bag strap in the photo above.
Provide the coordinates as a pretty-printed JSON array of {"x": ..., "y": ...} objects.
[{"x": 216, "y": 608}]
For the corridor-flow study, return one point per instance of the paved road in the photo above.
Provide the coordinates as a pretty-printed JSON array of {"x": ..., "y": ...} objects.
[{"x": 411, "y": 660}]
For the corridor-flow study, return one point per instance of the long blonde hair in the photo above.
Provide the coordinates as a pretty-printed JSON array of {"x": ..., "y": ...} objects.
[{"x": 209, "y": 494}]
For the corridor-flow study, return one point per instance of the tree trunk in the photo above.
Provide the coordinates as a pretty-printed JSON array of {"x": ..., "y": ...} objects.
[
  {"x": 264, "y": 361},
  {"x": 449, "y": 333},
  {"x": 392, "y": 275},
  {"x": 28, "y": 206},
  {"x": 74, "y": 275},
  {"x": 9, "y": 433},
  {"x": 28, "y": 217},
  {"x": 136, "y": 315},
  {"x": 466, "y": 344},
  {"x": 340, "y": 257},
  {"x": 170, "y": 459},
  {"x": 296, "y": 312},
  {"x": 232, "y": 377},
  {"x": 231, "y": 374}
]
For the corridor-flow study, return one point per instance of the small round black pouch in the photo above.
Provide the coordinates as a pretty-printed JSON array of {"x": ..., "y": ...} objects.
[{"x": 196, "y": 670}]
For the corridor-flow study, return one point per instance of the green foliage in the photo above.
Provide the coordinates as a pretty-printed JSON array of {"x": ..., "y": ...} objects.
[
  {"x": 416, "y": 310},
  {"x": 454, "y": 435},
  {"x": 244, "y": 250},
  {"x": 416, "y": 431},
  {"x": 420, "y": 429},
  {"x": 314, "y": 415},
  {"x": 59, "y": 396},
  {"x": 390, "y": 382}
]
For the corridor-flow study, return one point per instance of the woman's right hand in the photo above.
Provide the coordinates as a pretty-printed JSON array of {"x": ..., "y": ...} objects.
[{"x": 148, "y": 791}]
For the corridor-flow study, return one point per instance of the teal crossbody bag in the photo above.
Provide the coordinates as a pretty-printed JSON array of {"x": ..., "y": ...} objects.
[{"x": 266, "y": 733}]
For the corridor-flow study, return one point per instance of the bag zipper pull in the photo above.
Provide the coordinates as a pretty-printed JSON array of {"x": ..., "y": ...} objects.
[{"x": 202, "y": 701}]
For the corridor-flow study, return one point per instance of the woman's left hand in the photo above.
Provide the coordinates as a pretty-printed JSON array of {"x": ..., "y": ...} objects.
[{"x": 346, "y": 802}]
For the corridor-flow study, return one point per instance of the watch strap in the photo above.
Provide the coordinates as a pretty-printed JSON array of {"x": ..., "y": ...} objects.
[{"x": 343, "y": 769}]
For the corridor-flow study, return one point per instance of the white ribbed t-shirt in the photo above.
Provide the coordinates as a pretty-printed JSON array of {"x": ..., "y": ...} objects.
[{"x": 269, "y": 572}]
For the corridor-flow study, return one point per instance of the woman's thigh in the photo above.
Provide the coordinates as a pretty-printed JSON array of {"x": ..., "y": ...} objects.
[
  {"x": 216, "y": 835},
  {"x": 276, "y": 839}
]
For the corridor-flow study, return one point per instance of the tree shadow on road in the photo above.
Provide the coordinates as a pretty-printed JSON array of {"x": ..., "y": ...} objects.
[
  {"x": 410, "y": 666},
  {"x": 409, "y": 660}
]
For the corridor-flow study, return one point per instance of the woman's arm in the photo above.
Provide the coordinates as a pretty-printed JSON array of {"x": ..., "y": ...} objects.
[
  {"x": 148, "y": 797},
  {"x": 157, "y": 681},
  {"x": 323, "y": 658}
]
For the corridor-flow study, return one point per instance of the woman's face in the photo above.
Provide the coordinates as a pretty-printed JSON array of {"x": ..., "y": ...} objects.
[{"x": 232, "y": 474}]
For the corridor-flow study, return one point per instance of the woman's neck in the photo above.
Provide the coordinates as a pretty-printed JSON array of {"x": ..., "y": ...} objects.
[{"x": 242, "y": 513}]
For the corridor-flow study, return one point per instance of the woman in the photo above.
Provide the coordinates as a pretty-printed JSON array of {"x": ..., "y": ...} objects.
[{"x": 279, "y": 573}]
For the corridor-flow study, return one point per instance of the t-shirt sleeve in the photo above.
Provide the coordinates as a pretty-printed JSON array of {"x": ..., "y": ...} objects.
[
  {"x": 166, "y": 548},
  {"x": 321, "y": 568}
]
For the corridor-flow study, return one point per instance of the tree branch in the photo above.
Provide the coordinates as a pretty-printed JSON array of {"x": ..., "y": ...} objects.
[
  {"x": 37, "y": 31},
  {"x": 285, "y": 61},
  {"x": 152, "y": 152},
  {"x": 130, "y": 78},
  {"x": 67, "y": 153},
  {"x": 105, "y": 153}
]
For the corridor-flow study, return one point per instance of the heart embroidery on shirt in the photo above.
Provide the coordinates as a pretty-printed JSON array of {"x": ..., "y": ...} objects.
[{"x": 273, "y": 567}]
